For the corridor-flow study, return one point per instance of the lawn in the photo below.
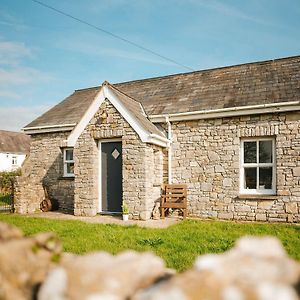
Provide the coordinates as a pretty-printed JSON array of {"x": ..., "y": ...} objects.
[{"x": 178, "y": 245}]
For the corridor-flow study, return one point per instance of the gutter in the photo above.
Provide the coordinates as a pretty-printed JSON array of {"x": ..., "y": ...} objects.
[
  {"x": 169, "y": 149},
  {"x": 48, "y": 128},
  {"x": 228, "y": 112}
]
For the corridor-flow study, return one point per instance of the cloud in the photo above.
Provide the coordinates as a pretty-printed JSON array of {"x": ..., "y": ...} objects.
[
  {"x": 94, "y": 50},
  {"x": 9, "y": 20},
  {"x": 14, "y": 75},
  {"x": 12, "y": 52},
  {"x": 20, "y": 76},
  {"x": 14, "y": 118},
  {"x": 228, "y": 10},
  {"x": 9, "y": 95}
]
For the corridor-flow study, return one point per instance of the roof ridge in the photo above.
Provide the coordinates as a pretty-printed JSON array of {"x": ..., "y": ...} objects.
[
  {"x": 138, "y": 102},
  {"x": 210, "y": 69},
  {"x": 192, "y": 72},
  {"x": 120, "y": 91}
]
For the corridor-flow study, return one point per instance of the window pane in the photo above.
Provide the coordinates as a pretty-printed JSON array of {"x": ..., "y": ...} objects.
[
  {"x": 250, "y": 178},
  {"x": 69, "y": 154},
  {"x": 70, "y": 168},
  {"x": 250, "y": 152},
  {"x": 265, "y": 178},
  {"x": 265, "y": 151}
]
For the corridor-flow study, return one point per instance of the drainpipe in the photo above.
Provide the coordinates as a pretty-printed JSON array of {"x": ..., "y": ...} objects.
[{"x": 169, "y": 150}]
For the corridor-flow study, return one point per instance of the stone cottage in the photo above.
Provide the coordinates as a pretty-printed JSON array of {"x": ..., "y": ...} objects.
[{"x": 231, "y": 134}]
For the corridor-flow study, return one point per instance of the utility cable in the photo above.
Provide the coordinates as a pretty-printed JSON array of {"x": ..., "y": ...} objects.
[{"x": 112, "y": 34}]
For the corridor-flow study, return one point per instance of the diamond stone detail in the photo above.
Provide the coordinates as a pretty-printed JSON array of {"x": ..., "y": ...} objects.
[{"x": 115, "y": 154}]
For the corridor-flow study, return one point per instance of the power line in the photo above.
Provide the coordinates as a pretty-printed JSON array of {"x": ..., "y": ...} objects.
[{"x": 112, "y": 34}]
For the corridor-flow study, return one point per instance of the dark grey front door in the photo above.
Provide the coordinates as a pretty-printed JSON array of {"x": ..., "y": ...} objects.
[{"x": 111, "y": 165}]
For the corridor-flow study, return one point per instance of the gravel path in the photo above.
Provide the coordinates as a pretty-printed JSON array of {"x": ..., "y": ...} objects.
[{"x": 104, "y": 219}]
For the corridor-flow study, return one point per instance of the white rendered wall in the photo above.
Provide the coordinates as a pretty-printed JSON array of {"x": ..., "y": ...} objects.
[{"x": 6, "y": 160}]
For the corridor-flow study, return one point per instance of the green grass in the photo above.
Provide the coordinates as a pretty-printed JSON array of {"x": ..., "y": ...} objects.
[{"x": 178, "y": 245}]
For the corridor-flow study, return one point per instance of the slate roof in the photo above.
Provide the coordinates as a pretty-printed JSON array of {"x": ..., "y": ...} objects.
[
  {"x": 263, "y": 82},
  {"x": 14, "y": 142},
  {"x": 136, "y": 109}
]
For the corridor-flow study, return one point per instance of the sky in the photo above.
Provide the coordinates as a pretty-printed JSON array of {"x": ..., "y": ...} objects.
[{"x": 45, "y": 56}]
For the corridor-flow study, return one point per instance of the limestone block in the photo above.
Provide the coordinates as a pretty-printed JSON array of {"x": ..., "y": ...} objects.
[
  {"x": 265, "y": 204},
  {"x": 296, "y": 171},
  {"x": 219, "y": 169},
  {"x": 261, "y": 217},
  {"x": 227, "y": 182},
  {"x": 291, "y": 208},
  {"x": 213, "y": 156},
  {"x": 145, "y": 215},
  {"x": 206, "y": 187},
  {"x": 261, "y": 271},
  {"x": 24, "y": 262},
  {"x": 225, "y": 215},
  {"x": 103, "y": 276}
]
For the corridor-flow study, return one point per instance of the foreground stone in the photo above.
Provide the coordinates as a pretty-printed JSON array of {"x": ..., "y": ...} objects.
[
  {"x": 34, "y": 268},
  {"x": 102, "y": 276},
  {"x": 256, "y": 268},
  {"x": 24, "y": 262}
]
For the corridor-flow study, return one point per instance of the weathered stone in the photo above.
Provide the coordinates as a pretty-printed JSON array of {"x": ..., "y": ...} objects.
[
  {"x": 145, "y": 215},
  {"x": 219, "y": 169},
  {"x": 205, "y": 155},
  {"x": 25, "y": 262},
  {"x": 101, "y": 275},
  {"x": 156, "y": 211},
  {"x": 8, "y": 232},
  {"x": 225, "y": 215},
  {"x": 261, "y": 217},
  {"x": 291, "y": 208},
  {"x": 261, "y": 271},
  {"x": 227, "y": 182},
  {"x": 296, "y": 171},
  {"x": 265, "y": 204},
  {"x": 206, "y": 187}
]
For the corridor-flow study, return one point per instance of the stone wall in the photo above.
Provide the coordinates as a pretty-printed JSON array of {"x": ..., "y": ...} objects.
[
  {"x": 36, "y": 268},
  {"x": 206, "y": 156},
  {"x": 44, "y": 168},
  {"x": 141, "y": 178}
]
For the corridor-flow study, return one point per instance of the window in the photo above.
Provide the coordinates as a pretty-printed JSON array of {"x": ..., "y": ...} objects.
[
  {"x": 68, "y": 162},
  {"x": 14, "y": 160},
  {"x": 258, "y": 166}
]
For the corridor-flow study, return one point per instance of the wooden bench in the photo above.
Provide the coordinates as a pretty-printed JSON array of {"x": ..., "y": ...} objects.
[{"x": 174, "y": 196}]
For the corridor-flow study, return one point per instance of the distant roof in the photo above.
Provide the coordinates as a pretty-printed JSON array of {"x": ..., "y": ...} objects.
[
  {"x": 265, "y": 82},
  {"x": 14, "y": 142}
]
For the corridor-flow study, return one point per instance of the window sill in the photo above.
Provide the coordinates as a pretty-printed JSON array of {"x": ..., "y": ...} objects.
[
  {"x": 256, "y": 197},
  {"x": 66, "y": 178}
]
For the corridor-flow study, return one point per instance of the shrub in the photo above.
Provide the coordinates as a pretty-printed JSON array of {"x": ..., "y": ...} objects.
[{"x": 6, "y": 178}]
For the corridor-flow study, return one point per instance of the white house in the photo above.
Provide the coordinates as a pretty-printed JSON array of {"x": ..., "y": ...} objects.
[{"x": 14, "y": 146}]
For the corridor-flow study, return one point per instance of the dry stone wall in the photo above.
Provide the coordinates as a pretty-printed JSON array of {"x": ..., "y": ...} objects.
[
  {"x": 36, "y": 268},
  {"x": 206, "y": 156}
]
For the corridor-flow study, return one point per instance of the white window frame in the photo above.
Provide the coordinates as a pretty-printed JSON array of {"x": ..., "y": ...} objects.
[
  {"x": 14, "y": 161},
  {"x": 257, "y": 165},
  {"x": 66, "y": 162}
]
